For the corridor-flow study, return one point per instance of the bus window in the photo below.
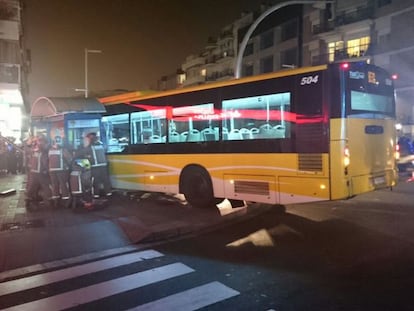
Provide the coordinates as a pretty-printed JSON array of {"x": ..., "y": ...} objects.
[
  {"x": 116, "y": 131},
  {"x": 371, "y": 93},
  {"x": 148, "y": 127},
  {"x": 194, "y": 124},
  {"x": 78, "y": 128},
  {"x": 257, "y": 117}
]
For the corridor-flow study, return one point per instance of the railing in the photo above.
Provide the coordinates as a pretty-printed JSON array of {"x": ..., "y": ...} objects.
[
  {"x": 217, "y": 75},
  {"x": 193, "y": 62},
  {"x": 226, "y": 34},
  {"x": 344, "y": 19},
  {"x": 339, "y": 55},
  {"x": 216, "y": 58}
]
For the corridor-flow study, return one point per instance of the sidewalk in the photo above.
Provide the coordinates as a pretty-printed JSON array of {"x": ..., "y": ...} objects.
[{"x": 48, "y": 234}]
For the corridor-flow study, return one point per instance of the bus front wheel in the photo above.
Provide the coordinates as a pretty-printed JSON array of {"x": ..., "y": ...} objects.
[{"x": 196, "y": 185}]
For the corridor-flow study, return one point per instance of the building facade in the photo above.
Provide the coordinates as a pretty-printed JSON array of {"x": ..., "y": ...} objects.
[
  {"x": 12, "y": 107},
  {"x": 377, "y": 31}
]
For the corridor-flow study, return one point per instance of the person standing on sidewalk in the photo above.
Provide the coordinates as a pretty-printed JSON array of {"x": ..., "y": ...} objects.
[
  {"x": 39, "y": 175},
  {"x": 59, "y": 164},
  {"x": 94, "y": 151}
]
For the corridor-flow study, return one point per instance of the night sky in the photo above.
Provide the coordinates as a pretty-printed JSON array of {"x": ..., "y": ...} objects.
[{"x": 141, "y": 40}]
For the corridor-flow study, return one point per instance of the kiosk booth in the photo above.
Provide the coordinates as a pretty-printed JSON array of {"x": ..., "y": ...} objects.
[{"x": 68, "y": 118}]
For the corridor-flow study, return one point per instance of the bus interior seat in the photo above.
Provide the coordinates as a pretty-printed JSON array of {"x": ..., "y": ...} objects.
[
  {"x": 208, "y": 134},
  {"x": 235, "y": 135},
  {"x": 183, "y": 136},
  {"x": 245, "y": 133},
  {"x": 266, "y": 131},
  {"x": 280, "y": 131},
  {"x": 254, "y": 132},
  {"x": 174, "y": 137},
  {"x": 265, "y": 127},
  {"x": 155, "y": 139},
  {"x": 194, "y": 135}
]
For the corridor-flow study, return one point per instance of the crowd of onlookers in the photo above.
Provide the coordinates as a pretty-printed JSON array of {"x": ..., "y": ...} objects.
[{"x": 11, "y": 156}]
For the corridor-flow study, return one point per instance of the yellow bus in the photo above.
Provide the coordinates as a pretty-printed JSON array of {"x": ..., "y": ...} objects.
[{"x": 300, "y": 135}]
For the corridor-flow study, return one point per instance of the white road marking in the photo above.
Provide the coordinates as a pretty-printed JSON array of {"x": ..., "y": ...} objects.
[
  {"x": 101, "y": 290},
  {"x": 72, "y": 272},
  {"x": 192, "y": 299}
]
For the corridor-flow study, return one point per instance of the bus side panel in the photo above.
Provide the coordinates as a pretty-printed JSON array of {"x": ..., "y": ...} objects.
[
  {"x": 266, "y": 178},
  {"x": 340, "y": 180},
  {"x": 142, "y": 173},
  {"x": 302, "y": 189},
  {"x": 372, "y": 163},
  {"x": 371, "y": 144}
]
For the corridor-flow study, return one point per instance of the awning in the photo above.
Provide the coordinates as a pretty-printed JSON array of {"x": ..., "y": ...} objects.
[{"x": 53, "y": 106}]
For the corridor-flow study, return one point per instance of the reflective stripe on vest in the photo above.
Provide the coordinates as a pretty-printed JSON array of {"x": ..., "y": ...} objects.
[
  {"x": 35, "y": 162},
  {"x": 98, "y": 153},
  {"x": 56, "y": 160}
]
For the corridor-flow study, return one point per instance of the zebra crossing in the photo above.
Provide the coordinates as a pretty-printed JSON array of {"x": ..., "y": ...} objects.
[{"x": 137, "y": 270}]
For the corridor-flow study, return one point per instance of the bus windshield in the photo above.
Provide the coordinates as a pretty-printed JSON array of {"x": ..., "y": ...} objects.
[{"x": 370, "y": 92}]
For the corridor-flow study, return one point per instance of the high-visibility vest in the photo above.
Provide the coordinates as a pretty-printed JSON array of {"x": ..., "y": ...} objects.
[
  {"x": 56, "y": 160},
  {"x": 35, "y": 162},
  {"x": 98, "y": 155}
]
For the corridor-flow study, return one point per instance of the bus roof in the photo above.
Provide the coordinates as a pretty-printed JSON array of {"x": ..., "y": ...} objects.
[{"x": 141, "y": 95}]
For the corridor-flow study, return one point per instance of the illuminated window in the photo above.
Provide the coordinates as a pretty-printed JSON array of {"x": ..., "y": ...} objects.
[
  {"x": 195, "y": 123},
  {"x": 203, "y": 72},
  {"x": 147, "y": 127},
  {"x": 334, "y": 48},
  {"x": 116, "y": 132},
  {"x": 181, "y": 78},
  {"x": 257, "y": 117},
  {"x": 357, "y": 47}
]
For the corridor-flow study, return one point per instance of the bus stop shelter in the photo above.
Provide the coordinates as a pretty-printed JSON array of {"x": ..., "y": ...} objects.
[{"x": 67, "y": 117}]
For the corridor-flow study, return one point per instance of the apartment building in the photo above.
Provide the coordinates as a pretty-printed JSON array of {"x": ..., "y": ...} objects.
[
  {"x": 378, "y": 31},
  {"x": 12, "y": 106}
]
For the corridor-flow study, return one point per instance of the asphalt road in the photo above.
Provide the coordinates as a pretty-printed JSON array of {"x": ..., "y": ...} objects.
[{"x": 355, "y": 254}]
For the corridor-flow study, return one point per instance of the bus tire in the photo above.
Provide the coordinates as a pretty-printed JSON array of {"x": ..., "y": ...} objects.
[{"x": 196, "y": 185}]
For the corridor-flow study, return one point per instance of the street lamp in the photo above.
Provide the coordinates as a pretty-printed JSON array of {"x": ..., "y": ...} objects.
[
  {"x": 249, "y": 32},
  {"x": 87, "y": 51}
]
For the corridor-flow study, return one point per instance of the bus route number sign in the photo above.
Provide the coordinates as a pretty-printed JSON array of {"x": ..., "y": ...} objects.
[{"x": 309, "y": 80}]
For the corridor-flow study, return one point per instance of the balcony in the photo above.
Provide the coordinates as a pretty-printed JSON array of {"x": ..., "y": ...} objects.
[
  {"x": 225, "y": 56},
  {"x": 342, "y": 19},
  {"x": 220, "y": 75},
  {"x": 194, "y": 80},
  {"x": 193, "y": 61},
  {"x": 340, "y": 55}
]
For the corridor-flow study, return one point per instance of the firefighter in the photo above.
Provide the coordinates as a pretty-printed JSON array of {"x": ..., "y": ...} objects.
[
  {"x": 94, "y": 151},
  {"x": 59, "y": 163},
  {"x": 39, "y": 174}
]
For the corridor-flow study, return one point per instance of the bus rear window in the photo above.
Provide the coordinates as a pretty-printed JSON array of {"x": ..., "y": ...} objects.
[
  {"x": 362, "y": 101},
  {"x": 370, "y": 92}
]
